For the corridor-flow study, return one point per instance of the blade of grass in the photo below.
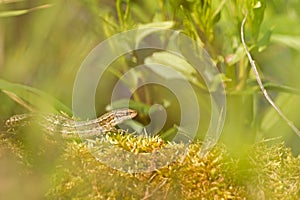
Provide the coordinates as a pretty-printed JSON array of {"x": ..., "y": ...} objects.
[
  {"x": 14, "y": 13},
  {"x": 9, "y": 1},
  {"x": 18, "y": 100},
  {"x": 33, "y": 96}
]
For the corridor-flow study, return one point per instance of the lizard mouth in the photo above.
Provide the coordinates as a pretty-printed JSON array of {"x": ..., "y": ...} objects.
[{"x": 132, "y": 113}]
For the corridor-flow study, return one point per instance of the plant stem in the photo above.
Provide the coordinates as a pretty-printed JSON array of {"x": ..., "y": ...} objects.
[{"x": 258, "y": 79}]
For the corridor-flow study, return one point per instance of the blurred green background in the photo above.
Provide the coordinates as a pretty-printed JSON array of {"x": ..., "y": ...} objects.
[{"x": 43, "y": 44}]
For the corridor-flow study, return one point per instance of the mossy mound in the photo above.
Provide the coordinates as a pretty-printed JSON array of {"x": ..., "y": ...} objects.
[
  {"x": 274, "y": 173},
  {"x": 267, "y": 171},
  {"x": 81, "y": 176}
]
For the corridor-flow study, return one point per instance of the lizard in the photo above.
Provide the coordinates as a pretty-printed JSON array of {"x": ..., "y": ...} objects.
[{"x": 69, "y": 127}]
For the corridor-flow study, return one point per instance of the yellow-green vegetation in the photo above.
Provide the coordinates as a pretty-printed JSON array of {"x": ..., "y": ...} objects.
[
  {"x": 42, "y": 46},
  {"x": 190, "y": 177},
  {"x": 267, "y": 171},
  {"x": 274, "y": 173}
]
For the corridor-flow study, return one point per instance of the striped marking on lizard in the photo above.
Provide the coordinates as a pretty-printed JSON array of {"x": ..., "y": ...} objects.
[{"x": 70, "y": 128}]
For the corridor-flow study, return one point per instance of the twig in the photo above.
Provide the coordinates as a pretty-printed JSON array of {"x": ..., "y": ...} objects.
[{"x": 258, "y": 79}]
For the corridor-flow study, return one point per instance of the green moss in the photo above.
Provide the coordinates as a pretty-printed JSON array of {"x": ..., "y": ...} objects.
[
  {"x": 274, "y": 173},
  {"x": 266, "y": 171},
  {"x": 190, "y": 177}
]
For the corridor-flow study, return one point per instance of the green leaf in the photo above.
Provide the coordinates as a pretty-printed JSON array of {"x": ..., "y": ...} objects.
[
  {"x": 169, "y": 134},
  {"x": 288, "y": 103},
  {"x": 138, "y": 106},
  {"x": 162, "y": 25},
  {"x": 9, "y": 1},
  {"x": 178, "y": 64},
  {"x": 265, "y": 40},
  {"x": 287, "y": 40},
  {"x": 216, "y": 18},
  {"x": 258, "y": 15},
  {"x": 171, "y": 60},
  {"x": 14, "y": 13},
  {"x": 35, "y": 97},
  {"x": 237, "y": 56},
  {"x": 253, "y": 88},
  {"x": 146, "y": 29},
  {"x": 256, "y": 10}
]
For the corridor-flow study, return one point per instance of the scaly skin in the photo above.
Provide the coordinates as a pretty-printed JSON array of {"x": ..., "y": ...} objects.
[{"x": 70, "y": 128}]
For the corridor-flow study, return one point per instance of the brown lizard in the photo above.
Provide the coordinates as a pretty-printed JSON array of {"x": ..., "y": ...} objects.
[{"x": 70, "y": 128}]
